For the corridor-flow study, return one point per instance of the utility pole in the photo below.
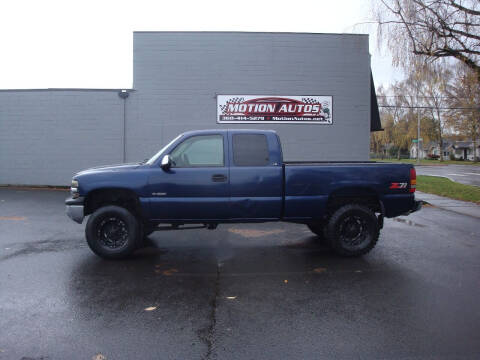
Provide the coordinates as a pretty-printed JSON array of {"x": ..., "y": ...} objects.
[
  {"x": 418, "y": 136},
  {"x": 418, "y": 128}
]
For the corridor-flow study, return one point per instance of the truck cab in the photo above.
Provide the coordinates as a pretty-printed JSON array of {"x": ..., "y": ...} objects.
[{"x": 217, "y": 176}]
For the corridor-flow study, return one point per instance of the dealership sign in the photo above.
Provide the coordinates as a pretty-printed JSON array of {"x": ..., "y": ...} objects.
[{"x": 268, "y": 109}]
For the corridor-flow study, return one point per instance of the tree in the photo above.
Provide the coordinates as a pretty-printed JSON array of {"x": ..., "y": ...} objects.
[
  {"x": 431, "y": 28},
  {"x": 428, "y": 128},
  {"x": 380, "y": 140},
  {"x": 436, "y": 79},
  {"x": 397, "y": 118},
  {"x": 464, "y": 95},
  {"x": 419, "y": 97},
  {"x": 403, "y": 134}
]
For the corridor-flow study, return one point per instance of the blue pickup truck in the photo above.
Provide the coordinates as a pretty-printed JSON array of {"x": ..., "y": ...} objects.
[{"x": 230, "y": 176}]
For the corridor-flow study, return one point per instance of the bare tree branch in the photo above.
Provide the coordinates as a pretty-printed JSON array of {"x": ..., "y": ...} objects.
[
  {"x": 433, "y": 29},
  {"x": 463, "y": 8}
]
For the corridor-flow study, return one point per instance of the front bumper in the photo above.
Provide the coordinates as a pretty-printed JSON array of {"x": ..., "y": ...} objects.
[{"x": 74, "y": 209}]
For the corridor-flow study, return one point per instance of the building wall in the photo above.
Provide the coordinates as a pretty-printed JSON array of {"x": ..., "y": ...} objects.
[
  {"x": 48, "y": 135},
  {"x": 178, "y": 74}
]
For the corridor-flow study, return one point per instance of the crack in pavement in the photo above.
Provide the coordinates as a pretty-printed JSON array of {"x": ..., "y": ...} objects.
[
  {"x": 41, "y": 246},
  {"x": 207, "y": 334}
]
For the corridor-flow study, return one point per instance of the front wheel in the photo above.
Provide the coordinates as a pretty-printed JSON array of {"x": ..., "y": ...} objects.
[
  {"x": 352, "y": 230},
  {"x": 112, "y": 232}
]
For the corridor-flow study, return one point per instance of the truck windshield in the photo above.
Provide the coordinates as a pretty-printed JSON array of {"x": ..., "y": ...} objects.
[{"x": 158, "y": 154}]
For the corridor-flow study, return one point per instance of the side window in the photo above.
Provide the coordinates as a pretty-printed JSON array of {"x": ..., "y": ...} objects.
[
  {"x": 250, "y": 150},
  {"x": 201, "y": 150}
]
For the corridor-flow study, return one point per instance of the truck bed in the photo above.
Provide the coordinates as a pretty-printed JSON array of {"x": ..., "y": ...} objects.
[
  {"x": 310, "y": 184},
  {"x": 298, "y": 163}
]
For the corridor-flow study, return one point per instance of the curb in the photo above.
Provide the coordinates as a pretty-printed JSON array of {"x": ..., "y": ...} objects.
[{"x": 35, "y": 187}]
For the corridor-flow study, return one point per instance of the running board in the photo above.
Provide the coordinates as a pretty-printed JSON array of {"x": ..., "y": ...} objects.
[{"x": 210, "y": 226}]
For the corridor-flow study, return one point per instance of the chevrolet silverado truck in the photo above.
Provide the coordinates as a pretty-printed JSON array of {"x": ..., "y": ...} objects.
[{"x": 204, "y": 178}]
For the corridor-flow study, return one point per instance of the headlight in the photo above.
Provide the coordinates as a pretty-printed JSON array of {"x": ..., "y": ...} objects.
[{"x": 74, "y": 189}]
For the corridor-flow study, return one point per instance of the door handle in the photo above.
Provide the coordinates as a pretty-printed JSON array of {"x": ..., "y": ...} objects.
[{"x": 219, "y": 178}]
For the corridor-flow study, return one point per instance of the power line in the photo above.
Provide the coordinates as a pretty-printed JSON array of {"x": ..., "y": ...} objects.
[
  {"x": 419, "y": 97},
  {"x": 429, "y": 107}
]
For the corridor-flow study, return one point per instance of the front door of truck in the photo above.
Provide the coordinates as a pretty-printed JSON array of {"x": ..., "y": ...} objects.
[
  {"x": 256, "y": 176},
  {"x": 196, "y": 185}
]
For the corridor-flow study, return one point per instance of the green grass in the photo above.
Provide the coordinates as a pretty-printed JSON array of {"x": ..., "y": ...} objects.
[
  {"x": 448, "y": 188},
  {"x": 429, "y": 162}
]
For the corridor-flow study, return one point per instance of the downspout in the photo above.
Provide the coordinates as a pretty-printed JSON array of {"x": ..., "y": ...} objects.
[{"x": 123, "y": 94}]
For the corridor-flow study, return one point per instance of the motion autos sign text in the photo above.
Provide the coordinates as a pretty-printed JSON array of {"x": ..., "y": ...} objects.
[{"x": 309, "y": 109}]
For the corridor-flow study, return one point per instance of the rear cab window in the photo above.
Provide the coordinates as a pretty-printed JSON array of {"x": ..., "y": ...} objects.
[{"x": 250, "y": 150}]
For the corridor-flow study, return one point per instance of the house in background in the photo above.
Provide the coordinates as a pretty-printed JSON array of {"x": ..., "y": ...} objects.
[
  {"x": 430, "y": 150},
  {"x": 464, "y": 150},
  {"x": 422, "y": 149},
  {"x": 459, "y": 149}
]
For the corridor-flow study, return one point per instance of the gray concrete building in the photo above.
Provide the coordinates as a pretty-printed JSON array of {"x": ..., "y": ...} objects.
[{"x": 183, "y": 81}]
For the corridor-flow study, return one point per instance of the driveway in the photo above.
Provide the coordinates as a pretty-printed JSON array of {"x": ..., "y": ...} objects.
[
  {"x": 465, "y": 174},
  {"x": 261, "y": 291}
]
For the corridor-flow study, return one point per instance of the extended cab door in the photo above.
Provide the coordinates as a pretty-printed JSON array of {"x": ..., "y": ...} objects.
[
  {"x": 196, "y": 186},
  {"x": 256, "y": 176}
]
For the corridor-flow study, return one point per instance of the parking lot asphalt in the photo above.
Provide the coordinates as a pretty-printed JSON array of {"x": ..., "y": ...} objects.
[
  {"x": 465, "y": 174},
  {"x": 250, "y": 291}
]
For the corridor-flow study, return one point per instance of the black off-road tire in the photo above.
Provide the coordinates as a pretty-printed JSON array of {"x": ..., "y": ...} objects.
[
  {"x": 113, "y": 232},
  {"x": 347, "y": 221}
]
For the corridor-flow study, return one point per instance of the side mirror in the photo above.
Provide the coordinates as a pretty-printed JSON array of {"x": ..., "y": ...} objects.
[{"x": 166, "y": 163}]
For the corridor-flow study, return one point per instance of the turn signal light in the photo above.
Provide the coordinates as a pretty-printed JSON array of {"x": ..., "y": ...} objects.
[{"x": 413, "y": 180}]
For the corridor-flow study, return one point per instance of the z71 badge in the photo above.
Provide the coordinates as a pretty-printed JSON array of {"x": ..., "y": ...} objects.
[{"x": 395, "y": 185}]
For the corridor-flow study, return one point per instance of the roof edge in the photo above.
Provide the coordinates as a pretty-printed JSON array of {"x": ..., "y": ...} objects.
[
  {"x": 240, "y": 32},
  {"x": 67, "y": 89}
]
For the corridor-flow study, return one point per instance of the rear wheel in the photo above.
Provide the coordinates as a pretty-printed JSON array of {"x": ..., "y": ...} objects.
[
  {"x": 112, "y": 232},
  {"x": 352, "y": 230}
]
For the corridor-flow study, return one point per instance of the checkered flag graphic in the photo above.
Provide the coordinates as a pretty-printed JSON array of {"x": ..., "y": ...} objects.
[
  {"x": 309, "y": 101},
  {"x": 236, "y": 100}
]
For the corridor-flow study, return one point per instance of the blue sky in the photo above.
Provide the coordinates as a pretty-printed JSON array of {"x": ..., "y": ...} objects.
[{"x": 88, "y": 44}]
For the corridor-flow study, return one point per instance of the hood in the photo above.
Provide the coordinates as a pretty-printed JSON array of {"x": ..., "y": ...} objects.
[{"x": 109, "y": 168}]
